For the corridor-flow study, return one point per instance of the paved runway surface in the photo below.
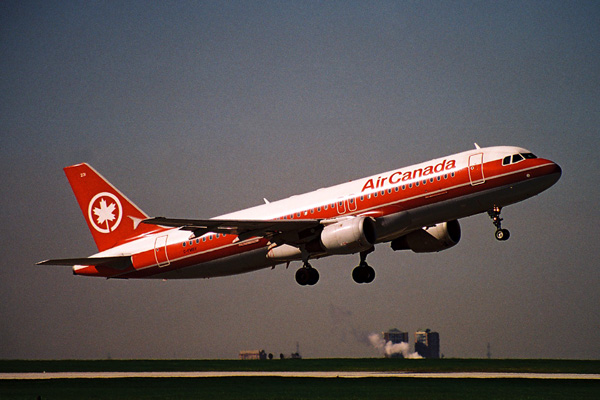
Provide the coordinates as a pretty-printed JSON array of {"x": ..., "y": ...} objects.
[{"x": 318, "y": 374}]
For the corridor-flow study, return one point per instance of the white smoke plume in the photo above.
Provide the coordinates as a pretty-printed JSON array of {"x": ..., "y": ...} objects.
[{"x": 389, "y": 348}]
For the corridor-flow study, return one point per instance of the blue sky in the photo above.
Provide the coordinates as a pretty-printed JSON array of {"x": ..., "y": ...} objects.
[{"x": 195, "y": 109}]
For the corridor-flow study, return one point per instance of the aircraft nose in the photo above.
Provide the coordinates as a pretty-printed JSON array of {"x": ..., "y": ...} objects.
[
  {"x": 557, "y": 169},
  {"x": 556, "y": 172}
]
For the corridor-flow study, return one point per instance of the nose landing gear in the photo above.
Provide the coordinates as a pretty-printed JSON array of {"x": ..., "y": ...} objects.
[{"x": 501, "y": 234}]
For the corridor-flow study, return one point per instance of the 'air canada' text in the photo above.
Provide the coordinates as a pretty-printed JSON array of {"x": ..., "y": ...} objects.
[{"x": 400, "y": 176}]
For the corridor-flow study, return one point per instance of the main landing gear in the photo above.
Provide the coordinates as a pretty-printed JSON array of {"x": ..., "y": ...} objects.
[
  {"x": 501, "y": 234},
  {"x": 364, "y": 273},
  {"x": 307, "y": 275}
]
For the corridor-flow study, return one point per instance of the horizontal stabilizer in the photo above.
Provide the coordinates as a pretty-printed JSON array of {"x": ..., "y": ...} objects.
[{"x": 118, "y": 262}]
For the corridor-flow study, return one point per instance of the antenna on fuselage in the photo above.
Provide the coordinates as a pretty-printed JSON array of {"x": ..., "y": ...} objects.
[{"x": 477, "y": 146}]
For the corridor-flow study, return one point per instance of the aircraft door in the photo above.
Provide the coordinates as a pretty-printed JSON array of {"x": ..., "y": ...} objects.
[
  {"x": 160, "y": 251},
  {"x": 341, "y": 206},
  {"x": 351, "y": 204},
  {"x": 476, "y": 169}
]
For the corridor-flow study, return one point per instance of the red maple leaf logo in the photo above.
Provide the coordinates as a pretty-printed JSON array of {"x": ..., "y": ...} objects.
[{"x": 105, "y": 213}]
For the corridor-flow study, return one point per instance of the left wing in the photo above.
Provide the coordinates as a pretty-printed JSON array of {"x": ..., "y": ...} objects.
[
  {"x": 117, "y": 262},
  {"x": 244, "y": 229}
]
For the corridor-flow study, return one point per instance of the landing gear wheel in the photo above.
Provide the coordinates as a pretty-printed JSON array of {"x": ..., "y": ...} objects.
[
  {"x": 502, "y": 234},
  {"x": 363, "y": 274},
  {"x": 302, "y": 276},
  {"x": 307, "y": 275},
  {"x": 313, "y": 276},
  {"x": 370, "y": 274}
]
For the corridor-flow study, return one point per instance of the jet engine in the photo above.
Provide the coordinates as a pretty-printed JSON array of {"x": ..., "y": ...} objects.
[
  {"x": 348, "y": 236},
  {"x": 430, "y": 239}
]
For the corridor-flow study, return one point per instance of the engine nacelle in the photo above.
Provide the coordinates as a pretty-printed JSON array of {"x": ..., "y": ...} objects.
[
  {"x": 432, "y": 239},
  {"x": 348, "y": 236}
]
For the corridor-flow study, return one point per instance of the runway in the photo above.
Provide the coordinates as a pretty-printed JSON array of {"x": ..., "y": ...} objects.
[{"x": 315, "y": 374}]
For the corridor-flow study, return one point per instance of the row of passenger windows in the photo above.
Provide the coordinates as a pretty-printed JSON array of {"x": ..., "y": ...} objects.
[
  {"x": 515, "y": 158},
  {"x": 375, "y": 194},
  {"x": 204, "y": 238}
]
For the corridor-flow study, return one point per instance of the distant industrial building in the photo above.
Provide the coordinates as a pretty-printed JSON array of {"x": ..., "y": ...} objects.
[
  {"x": 427, "y": 343},
  {"x": 395, "y": 336}
]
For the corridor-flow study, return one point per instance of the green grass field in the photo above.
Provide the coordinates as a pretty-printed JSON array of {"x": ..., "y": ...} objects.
[{"x": 302, "y": 388}]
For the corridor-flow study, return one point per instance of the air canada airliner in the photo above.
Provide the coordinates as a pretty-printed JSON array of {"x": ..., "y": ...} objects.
[{"x": 413, "y": 208}]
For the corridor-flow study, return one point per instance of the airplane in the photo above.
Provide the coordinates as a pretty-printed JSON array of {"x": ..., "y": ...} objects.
[{"x": 413, "y": 208}]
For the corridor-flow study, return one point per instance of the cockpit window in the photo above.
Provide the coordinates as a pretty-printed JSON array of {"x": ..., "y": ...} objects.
[{"x": 515, "y": 158}]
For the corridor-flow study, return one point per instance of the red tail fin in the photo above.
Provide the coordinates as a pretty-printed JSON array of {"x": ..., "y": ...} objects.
[{"x": 111, "y": 217}]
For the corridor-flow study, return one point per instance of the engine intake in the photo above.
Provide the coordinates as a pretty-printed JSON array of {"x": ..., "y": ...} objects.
[{"x": 432, "y": 239}]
